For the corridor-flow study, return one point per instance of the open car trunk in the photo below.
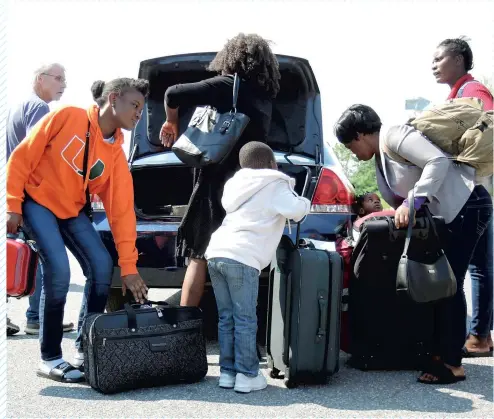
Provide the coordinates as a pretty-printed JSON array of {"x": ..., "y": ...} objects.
[
  {"x": 164, "y": 188},
  {"x": 164, "y": 192},
  {"x": 296, "y": 124}
]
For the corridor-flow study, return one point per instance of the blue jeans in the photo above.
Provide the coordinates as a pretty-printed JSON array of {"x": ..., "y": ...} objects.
[
  {"x": 482, "y": 291},
  {"x": 236, "y": 287},
  {"x": 459, "y": 243},
  {"x": 52, "y": 235},
  {"x": 32, "y": 313}
]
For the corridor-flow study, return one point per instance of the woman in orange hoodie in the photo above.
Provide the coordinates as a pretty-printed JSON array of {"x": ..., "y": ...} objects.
[{"x": 47, "y": 194}]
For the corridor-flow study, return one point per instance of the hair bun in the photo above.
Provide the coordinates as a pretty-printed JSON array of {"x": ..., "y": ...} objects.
[{"x": 97, "y": 89}]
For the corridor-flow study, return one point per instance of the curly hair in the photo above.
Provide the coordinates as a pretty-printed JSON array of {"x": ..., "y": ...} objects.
[
  {"x": 251, "y": 57},
  {"x": 102, "y": 90},
  {"x": 459, "y": 46}
]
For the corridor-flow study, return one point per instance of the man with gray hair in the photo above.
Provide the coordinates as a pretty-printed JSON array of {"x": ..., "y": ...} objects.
[{"x": 48, "y": 85}]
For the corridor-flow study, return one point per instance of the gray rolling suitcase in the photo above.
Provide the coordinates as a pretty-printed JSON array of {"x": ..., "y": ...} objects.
[{"x": 303, "y": 328}]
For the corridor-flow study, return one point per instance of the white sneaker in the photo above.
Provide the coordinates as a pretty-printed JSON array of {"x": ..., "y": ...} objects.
[
  {"x": 78, "y": 359},
  {"x": 244, "y": 384},
  {"x": 226, "y": 380}
]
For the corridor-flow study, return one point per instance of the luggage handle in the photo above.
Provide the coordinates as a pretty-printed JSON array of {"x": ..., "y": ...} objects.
[
  {"x": 323, "y": 315},
  {"x": 21, "y": 234},
  {"x": 304, "y": 191},
  {"x": 429, "y": 222},
  {"x": 157, "y": 303},
  {"x": 149, "y": 302},
  {"x": 288, "y": 306},
  {"x": 131, "y": 317},
  {"x": 131, "y": 314}
]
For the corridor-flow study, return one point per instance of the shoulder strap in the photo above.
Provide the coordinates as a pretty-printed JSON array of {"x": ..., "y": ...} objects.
[
  {"x": 236, "y": 86},
  {"x": 430, "y": 223},
  {"x": 84, "y": 167}
]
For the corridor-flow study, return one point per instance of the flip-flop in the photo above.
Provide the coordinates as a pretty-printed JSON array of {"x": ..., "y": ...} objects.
[
  {"x": 58, "y": 373},
  {"x": 471, "y": 354},
  {"x": 443, "y": 374}
]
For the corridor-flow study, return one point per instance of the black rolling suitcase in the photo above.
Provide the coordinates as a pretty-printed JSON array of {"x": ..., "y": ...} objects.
[
  {"x": 144, "y": 347},
  {"x": 303, "y": 326},
  {"x": 389, "y": 331}
]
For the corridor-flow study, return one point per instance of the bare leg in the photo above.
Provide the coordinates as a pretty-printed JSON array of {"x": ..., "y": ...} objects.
[{"x": 193, "y": 286}]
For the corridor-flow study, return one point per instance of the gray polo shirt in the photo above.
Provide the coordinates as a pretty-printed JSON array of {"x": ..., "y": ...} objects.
[{"x": 22, "y": 118}]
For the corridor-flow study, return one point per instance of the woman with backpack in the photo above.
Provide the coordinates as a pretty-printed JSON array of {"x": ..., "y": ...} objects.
[
  {"x": 453, "y": 59},
  {"x": 48, "y": 188},
  {"x": 406, "y": 160}
]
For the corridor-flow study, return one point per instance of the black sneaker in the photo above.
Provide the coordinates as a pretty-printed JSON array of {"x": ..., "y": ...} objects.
[{"x": 12, "y": 328}]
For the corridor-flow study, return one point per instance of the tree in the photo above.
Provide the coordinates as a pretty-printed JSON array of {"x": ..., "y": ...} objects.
[
  {"x": 362, "y": 174},
  {"x": 347, "y": 159}
]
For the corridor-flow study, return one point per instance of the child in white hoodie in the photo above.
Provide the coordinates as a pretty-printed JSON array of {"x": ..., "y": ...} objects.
[{"x": 258, "y": 200}]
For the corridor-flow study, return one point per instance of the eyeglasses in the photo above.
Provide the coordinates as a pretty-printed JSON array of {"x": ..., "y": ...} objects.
[{"x": 60, "y": 79}]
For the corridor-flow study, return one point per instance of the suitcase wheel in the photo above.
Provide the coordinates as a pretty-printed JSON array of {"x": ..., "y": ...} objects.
[
  {"x": 290, "y": 383},
  {"x": 274, "y": 373}
]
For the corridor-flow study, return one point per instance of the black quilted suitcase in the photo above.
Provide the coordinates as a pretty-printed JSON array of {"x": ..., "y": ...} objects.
[{"x": 144, "y": 347}]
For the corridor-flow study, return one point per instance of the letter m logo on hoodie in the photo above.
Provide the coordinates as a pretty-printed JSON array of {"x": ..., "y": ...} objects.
[{"x": 73, "y": 154}]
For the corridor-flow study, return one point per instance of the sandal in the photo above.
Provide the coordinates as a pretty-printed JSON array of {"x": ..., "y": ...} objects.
[
  {"x": 59, "y": 372},
  {"x": 443, "y": 374}
]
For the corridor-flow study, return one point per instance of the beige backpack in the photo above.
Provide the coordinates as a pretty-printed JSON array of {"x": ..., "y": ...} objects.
[{"x": 461, "y": 128}]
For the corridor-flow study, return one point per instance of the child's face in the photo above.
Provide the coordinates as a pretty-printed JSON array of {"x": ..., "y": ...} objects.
[{"x": 371, "y": 204}]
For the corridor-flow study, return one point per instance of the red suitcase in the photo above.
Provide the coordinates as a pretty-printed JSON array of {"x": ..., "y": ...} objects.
[{"x": 22, "y": 262}]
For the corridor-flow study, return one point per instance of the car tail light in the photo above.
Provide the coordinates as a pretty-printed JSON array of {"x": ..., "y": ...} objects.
[
  {"x": 331, "y": 194},
  {"x": 96, "y": 203}
]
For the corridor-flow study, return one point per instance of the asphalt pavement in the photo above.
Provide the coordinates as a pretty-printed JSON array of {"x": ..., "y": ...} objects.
[{"x": 350, "y": 393}]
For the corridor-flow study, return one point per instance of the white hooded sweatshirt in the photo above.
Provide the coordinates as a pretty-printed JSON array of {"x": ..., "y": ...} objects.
[{"x": 257, "y": 203}]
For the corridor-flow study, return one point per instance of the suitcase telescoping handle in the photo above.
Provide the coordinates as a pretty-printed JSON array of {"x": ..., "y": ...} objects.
[{"x": 308, "y": 179}]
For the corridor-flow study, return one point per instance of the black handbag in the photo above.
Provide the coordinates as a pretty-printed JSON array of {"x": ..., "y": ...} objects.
[
  {"x": 142, "y": 347},
  {"x": 425, "y": 282},
  {"x": 211, "y": 136},
  {"x": 88, "y": 210}
]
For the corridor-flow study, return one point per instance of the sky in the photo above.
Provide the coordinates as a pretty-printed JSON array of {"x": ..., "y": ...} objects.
[{"x": 374, "y": 52}]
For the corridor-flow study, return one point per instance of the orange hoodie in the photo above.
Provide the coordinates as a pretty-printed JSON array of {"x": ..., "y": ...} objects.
[{"x": 48, "y": 163}]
